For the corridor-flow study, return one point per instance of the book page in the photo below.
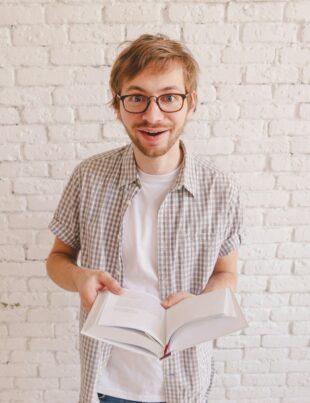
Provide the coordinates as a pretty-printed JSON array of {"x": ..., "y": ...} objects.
[
  {"x": 203, "y": 306},
  {"x": 135, "y": 310}
]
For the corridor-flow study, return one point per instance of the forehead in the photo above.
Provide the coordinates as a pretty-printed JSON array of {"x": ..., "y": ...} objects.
[{"x": 152, "y": 80}]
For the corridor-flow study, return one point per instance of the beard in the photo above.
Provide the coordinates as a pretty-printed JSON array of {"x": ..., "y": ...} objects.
[{"x": 156, "y": 151}]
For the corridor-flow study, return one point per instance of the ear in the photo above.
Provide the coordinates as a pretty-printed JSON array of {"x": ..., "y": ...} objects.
[
  {"x": 116, "y": 108},
  {"x": 192, "y": 104}
]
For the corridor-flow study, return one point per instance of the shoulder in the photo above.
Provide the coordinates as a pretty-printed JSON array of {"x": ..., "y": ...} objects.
[
  {"x": 102, "y": 163},
  {"x": 210, "y": 176}
]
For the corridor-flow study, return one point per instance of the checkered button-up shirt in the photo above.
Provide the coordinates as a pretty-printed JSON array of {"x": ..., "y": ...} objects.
[{"x": 199, "y": 221}]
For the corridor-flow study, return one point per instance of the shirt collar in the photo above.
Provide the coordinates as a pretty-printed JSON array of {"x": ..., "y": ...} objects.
[{"x": 186, "y": 176}]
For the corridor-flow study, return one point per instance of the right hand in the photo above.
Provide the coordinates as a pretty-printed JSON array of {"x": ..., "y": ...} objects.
[{"x": 90, "y": 282}]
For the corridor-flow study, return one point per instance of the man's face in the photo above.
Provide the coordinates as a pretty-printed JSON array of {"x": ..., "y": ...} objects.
[{"x": 138, "y": 126}]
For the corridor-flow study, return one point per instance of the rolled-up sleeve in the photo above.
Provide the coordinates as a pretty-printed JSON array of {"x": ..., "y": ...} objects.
[
  {"x": 66, "y": 220},
  {"x": 234, "y": 223}
]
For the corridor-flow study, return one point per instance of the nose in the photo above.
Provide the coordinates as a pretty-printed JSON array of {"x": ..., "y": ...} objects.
[{"x": 153, "y": 113}]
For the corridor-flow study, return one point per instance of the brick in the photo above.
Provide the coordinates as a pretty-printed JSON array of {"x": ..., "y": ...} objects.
[
  {"x": 264, "y": 74},
  {"x": 268, "y": 235},
  {"x": 263, "y": 145},
  {"x": 4, "y": 37},
  {"x": 9, "y": 116},
  {"x": 37, "y": 186},
  {"x": 97, "y": 33},
  {"x": 49, "y": 344},
  {"x": 301, "y": 328},
  {"x": 216, "y": 110},
  {"x": 256, "y": 181},
  {"x": 304, "y": 111},
  {"x": 197, "y": 13},
  {"x": 95, "y": 113},
  {"x": 301, "y": 199},
  {"x": 266, "y": 300},
  {"x": 10, "y": 152},
  {"x": 289, "y": 127},
  {"x": 115, "y": 131},
  {"x": 302, "y": 234},
  {"x": 59, "y": 315},
  {"x": 29, "y": 220},
  {"x": 267, "y": 111},
  {"x": 12, "y": 203},
  {"x": 268, "y": 267},
  {"x": 258, "y": 251},
  {"x": 279, "y": 33},
  {"x": 266, "y": 199},
  {"x": 53, "y": 396},
  {"x": 264, "y": 379},
  {"x": 53, "y": 114},
  {"x": 294, "y": 250},
  {"x": 212, "y": 146},
  {"x": 37, "y": 383},
  {"x": 268, "y": 11},
  {"x": 249, "y": 366},
  {"x": 22, "y": 395},
  {"x": 66, "y": 14},
  {"x": 87, "y": 150},
  {"x": 5, "y": 186},
  {"x": 26, "y": 56},
  {"x": 246, "y": 284},
  {"x": 238, "y": 128},
  {"x": 32, "y": 357},
  {"x": 206, "y": 55},
  {"x": 240, "y": 163},
  {"x": 249, "y": 54},
  {"x": 224, "y": 74},
  {"x": 39, "y": 35},
  {"x": 10, "y": 15},
  {"x": 292, "y": 93},
  {"x": 300, "y": 145},
  {"x": 305, "y": 33},
  {"x": 79, "y": 95},
  {"x": 134, "y": 30},
  {"x": 29, "y": 299},
  {"x": 43, "y": 202},
  {"x": 86, "y": 55},
  {"x": 299, "y": 11},
  {"x": 48, "y": 76},
  {"x": 25, "y": 96},
  {"x": 290, "y": 284},
  {"x": 244, "y": 93},
  {"x": 72, "y": 133},
  {"x": 24, "y": 134},
  {"x": 92, "y": 75},
  {"x": 6, "y": 77},
  {"x": 290, "y": 163},
  {"x": 124, "y": 13},
  {"x": 294, "y": 182},
  {"x": 266, "y": 353},
  {"x": 37, "y": 252},
  {"x": 31, "y": 330},
  {"x": 306, "y": 75},
  {"x": 210, "y": 33},
  {"x": 294, "y": 56},
  {"x": 62, "y": 169},
  {"x": 23, "y": 169},
  {"x": 49, "y": 152},
  {"x": 289, "y": 216},
  {"x": 283, "y": 341},
  {"x": 18, "y": 370}
]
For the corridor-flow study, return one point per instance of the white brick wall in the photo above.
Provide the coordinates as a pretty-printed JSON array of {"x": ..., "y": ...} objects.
[{"x": 253, "y": 120}]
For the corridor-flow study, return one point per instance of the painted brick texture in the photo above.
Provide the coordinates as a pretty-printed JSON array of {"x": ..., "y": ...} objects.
[{"x": 253, "y": 120}]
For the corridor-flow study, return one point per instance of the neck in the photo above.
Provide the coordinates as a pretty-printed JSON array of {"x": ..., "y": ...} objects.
[{"x": 159, "y": 165}]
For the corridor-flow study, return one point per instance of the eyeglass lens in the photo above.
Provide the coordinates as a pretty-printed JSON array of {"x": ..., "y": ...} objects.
[{"x": 166, "y": 102}]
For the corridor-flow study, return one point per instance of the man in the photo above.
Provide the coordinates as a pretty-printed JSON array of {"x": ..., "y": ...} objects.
[{"x": 151, "y": 217}]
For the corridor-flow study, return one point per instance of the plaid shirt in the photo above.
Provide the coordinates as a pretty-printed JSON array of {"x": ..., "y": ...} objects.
[{"x": 199, "y": 220}]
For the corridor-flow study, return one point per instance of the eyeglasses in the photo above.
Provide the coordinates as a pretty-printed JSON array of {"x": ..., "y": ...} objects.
[{"x": 137, "y": 103}]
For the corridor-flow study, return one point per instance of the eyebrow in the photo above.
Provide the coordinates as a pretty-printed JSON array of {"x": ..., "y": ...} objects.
[{"x": 136, "y": 87}]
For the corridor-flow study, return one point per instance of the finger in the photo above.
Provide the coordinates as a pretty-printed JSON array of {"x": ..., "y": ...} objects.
[
  {"x": 173, "y": 299},
  {"x": 110, "y": 283}
]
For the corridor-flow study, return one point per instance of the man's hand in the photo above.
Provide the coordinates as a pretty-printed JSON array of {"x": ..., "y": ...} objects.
[
  {"x": 90, "y": 282},
  {"x": 173, "y": 299}
]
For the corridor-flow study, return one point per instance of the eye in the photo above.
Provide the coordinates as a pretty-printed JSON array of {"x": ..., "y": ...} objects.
[
  {"x": 168, "y": 98},
  {"x": 136, "y": 98}
]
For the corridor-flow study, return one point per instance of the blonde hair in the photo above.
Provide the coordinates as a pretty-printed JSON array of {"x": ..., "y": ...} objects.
[{"x": 155, "y": 50}]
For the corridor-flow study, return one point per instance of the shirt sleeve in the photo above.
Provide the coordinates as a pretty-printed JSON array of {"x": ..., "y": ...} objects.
[
  {"x": 234, "y": 223},
  {"x": 66, "y": 220}
]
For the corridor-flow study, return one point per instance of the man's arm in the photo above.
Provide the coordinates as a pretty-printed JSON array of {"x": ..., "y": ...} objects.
[
  {"x": 62, "y": 268},
  {"x": 224, "y": 275}
]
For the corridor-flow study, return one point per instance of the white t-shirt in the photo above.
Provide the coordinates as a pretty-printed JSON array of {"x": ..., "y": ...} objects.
[{"x": 129, "y": 375}]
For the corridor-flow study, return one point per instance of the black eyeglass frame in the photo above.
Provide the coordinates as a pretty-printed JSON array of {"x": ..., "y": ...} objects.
[{"x": 123, "y": 97}]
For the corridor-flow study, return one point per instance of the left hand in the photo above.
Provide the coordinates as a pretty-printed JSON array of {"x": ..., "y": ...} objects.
[{"x": 173, "y": 299}]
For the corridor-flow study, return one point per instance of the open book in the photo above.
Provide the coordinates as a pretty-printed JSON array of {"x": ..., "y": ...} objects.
[{"x": 136, "y": 321}]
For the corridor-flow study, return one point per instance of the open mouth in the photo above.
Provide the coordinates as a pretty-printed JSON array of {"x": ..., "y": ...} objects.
[{"x": 152, "y": 134}]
